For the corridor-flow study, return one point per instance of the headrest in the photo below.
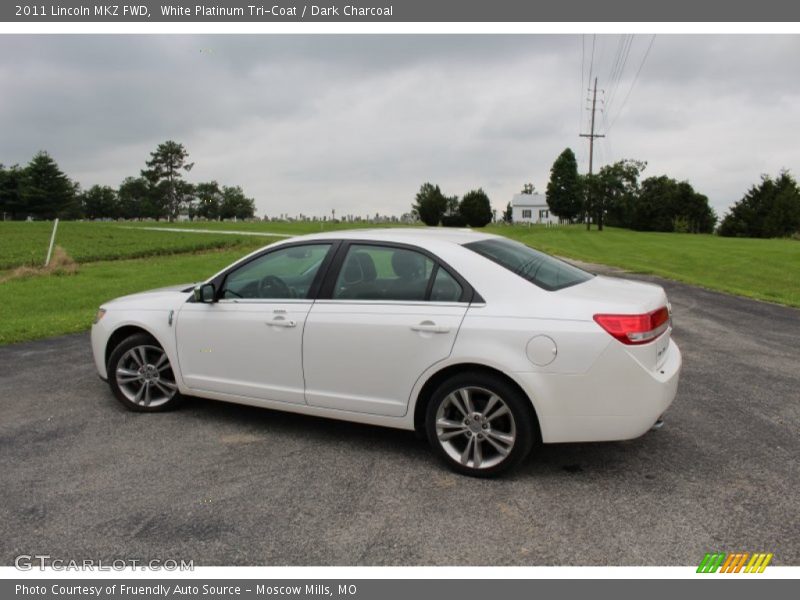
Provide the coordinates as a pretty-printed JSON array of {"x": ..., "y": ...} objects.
[{"x": 408, "y": 265}]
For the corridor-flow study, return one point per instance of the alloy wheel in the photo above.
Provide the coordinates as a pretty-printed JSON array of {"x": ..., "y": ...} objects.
[
  {"x": 144, "y": 376},
  {"x": 475, "y": 427}
]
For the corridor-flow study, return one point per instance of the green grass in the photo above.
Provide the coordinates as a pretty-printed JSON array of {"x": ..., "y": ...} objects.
[
  {"x": 48, "y": 305},
  {"x": 280, "y": 227},
  {"x": 24, "y": 243},
  {"x": 762, "y": 269},
  {"x": 45, "y": 306}
]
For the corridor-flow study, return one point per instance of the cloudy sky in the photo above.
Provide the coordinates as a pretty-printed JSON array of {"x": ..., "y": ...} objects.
[{"x": 356, "y": 123}]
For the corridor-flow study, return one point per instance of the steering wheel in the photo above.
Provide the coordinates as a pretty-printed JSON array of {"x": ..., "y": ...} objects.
[{"x": 273, "y": 287}]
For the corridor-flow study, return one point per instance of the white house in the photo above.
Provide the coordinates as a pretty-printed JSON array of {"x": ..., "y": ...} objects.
[{"x": 531, "y": 208}]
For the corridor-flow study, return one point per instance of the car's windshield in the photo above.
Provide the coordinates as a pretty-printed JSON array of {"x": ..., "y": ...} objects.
[{"x": 537, "y": 267}]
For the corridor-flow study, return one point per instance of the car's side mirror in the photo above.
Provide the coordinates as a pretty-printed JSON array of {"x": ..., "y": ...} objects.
[{"x": 205, "y": 292}]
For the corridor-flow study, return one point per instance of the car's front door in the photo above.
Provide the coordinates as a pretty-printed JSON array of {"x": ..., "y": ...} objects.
[
  {"x": 249, "y": 342},
  {"x": 392, "y": 313}
]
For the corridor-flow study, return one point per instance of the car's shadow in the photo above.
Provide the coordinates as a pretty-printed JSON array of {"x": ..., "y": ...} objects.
[{"x": 577, "y": 460}]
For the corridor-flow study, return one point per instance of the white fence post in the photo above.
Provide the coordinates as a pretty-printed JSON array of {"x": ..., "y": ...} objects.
[{"x": 52, "y": 240}]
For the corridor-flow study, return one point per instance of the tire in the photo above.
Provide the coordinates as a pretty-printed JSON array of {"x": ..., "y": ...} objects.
[
  {"x": 457, "y": 422},
  {"x": 141, "y": 376}
]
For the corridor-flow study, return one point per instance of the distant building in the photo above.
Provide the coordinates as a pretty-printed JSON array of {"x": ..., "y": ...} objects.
[{"x": 531, "y": 208}]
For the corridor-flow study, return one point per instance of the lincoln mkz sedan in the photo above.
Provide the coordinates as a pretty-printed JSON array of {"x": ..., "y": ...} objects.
[{"x": 484, "y": 345}]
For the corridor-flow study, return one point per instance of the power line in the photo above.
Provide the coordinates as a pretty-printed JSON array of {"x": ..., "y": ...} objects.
[
  {"x": 591, "y": 62},
  {"x": 612, "y": 75},
  {"x": 599, "y": 56},
  {"x": 635, "y": 79},
  {"x": 627, "y": 42},
  {"x": 583, "y": 72},
  {"x": 606, "y": 149},
  {"x": 615, "y": 64},
  {"x": 583, "y": 61}
]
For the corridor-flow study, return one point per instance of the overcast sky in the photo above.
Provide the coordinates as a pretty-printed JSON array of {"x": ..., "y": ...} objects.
[{"x": 357, "y": 123}]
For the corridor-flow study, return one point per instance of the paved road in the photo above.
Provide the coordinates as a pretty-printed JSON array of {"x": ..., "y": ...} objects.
[{"x": 221, "y": 484}]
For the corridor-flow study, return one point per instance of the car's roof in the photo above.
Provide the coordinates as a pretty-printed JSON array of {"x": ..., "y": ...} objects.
[{"x": 410, "y": 235}]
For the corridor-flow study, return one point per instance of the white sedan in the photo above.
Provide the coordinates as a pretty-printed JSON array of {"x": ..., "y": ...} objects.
[{"x": 484, "y": 345}]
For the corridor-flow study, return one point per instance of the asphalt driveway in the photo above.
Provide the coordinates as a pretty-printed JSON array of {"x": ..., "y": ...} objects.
[{"x": 221, "y": 484}]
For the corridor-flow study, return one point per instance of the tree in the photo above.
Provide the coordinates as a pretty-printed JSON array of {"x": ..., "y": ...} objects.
[
  {"x": 235, "y": 205},
  {"x": 46, "y": 192},
  {"x": 665, "y": 204},
  {"x": 452, "y": 205},
  {"x": 164, "y": 173},
  {"x": 508, "y": 214},
  {"x": 456, "y": 220},
  {"x": 771, "y": 209},
  {"x": 185, "y": 191},
  {"x": 430, "y": 204},
  {"x": 10, "y": 201},
  {"x": 209, "y": 200},
  {"x": 134, "y": 199},
  {"x": 565, "y": 189},
  {"x": 100, "y": 202},
  {"x": 691, "y": 211},
  {"x": 614, "y": 190},
  {"x": 452, "y": 215},
  {"x": 528, "y": 188},
  {"x": 476, "y": 208}
]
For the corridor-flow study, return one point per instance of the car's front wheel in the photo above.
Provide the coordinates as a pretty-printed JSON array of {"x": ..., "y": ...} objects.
[
  {"x": 480, "y": 425},
  {"x": 141, "y": 376}
]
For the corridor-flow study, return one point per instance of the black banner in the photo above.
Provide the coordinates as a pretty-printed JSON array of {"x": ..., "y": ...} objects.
[
  {"x": 395, "y": 589},
  {"x": 399, "y": 11}
]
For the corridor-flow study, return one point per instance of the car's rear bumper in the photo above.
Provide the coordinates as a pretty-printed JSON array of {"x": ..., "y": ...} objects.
[{"x": 617, "y": 399}]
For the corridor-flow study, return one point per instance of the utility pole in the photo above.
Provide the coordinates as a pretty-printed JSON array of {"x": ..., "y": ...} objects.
[{"x": 592, "y": 135}]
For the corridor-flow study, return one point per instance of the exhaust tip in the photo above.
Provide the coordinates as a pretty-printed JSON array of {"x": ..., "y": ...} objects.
[{"x": 657, "y": 425}]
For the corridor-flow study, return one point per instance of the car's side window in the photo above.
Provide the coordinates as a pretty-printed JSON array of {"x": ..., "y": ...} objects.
[
  {"x": 283, "y": 273},
  {"x": 383, "y": 273},
  {"x": 445, "y": 287}
]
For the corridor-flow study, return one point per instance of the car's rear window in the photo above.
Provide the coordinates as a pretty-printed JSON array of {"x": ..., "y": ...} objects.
[{"x": 537, "y": 267}]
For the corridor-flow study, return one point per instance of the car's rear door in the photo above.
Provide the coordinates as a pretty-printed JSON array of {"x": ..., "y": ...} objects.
[{"x": 385, "y": 315}]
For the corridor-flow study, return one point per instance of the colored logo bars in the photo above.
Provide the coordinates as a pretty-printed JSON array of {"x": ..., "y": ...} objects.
[{"x": 735, "y": 562}]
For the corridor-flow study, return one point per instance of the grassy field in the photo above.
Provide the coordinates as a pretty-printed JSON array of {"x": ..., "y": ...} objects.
[
  {"x": 44, "y": 306},
  {"x": 762, "y": 269},
  {"x": 279, "y": 227},
  {"x": 26, "y": 243},
  {"x": 117, "y": 259}
]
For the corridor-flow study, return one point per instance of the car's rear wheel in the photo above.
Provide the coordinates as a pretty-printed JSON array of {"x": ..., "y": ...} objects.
[
  {"x": 480, "y": 425},
  {"x": 141, "y": 376}
]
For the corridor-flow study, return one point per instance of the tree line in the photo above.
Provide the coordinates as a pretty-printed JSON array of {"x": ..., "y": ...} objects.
[
  {"x": 615, "y": 196},
  {"x": 433, "y": 208},
  {"x": 41, "y": 190},
  {"x": 769, "y": 209}
]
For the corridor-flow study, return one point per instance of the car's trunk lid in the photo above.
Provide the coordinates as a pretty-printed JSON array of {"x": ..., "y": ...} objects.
[{"x": 614, "y": 296}]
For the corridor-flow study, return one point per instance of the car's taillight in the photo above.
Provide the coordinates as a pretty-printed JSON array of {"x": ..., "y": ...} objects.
[{"x": 635, "y": 329}]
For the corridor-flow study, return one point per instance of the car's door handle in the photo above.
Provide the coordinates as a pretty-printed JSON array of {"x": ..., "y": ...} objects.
[
  {"x": 281, "y": 323},
  {"x": 428, "y": 327}
]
